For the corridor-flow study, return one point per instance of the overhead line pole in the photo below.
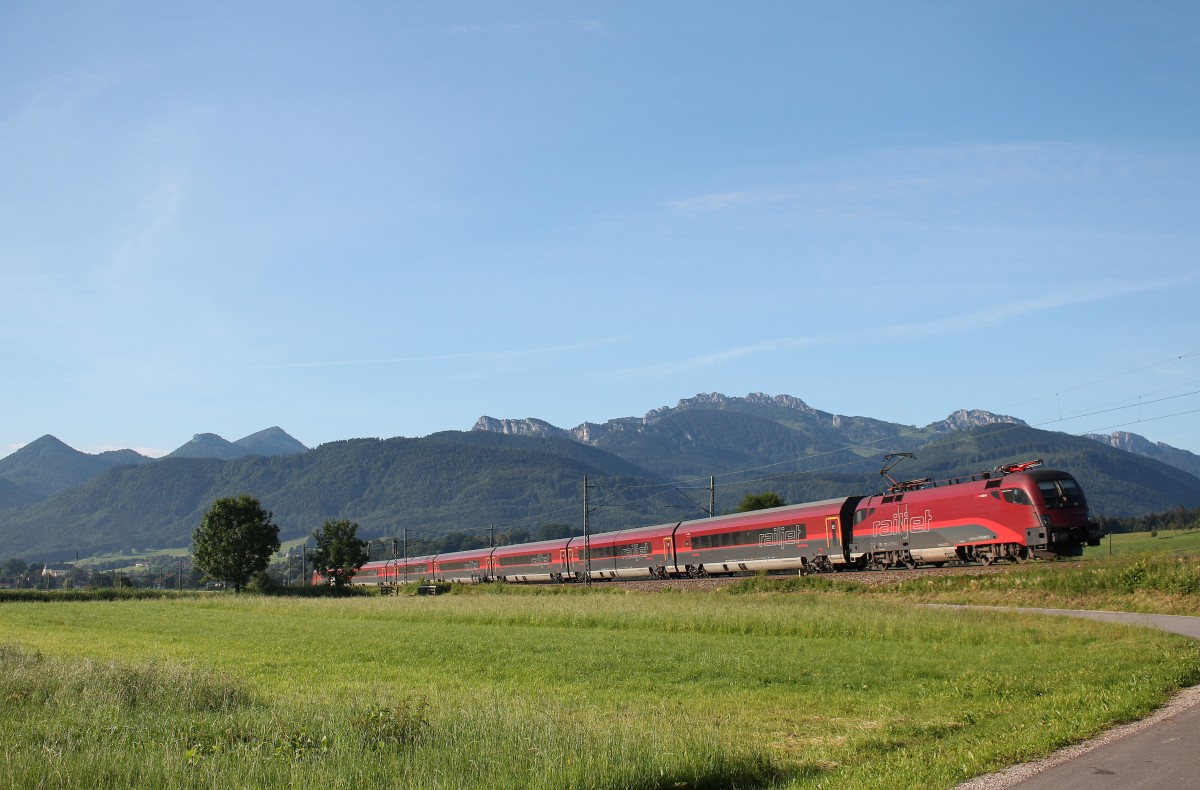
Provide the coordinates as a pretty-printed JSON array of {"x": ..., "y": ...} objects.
[{"x": 587, "y": 534}]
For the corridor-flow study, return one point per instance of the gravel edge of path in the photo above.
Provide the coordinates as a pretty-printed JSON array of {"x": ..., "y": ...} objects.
[
  {"x": 1022, "y": 771},
  {"x": 1015, "y": 774}
]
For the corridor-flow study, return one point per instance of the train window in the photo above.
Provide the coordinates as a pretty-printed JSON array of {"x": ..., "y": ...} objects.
[
  {"x": 1061, "y": 493},
  {"x": 992, "y": 484},
  {"x": 862, "y": 515},
  {"x": 525, "y": 559},
  {"x": 1016, "y": 496}
]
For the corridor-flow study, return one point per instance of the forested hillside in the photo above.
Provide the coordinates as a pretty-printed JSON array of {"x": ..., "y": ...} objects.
[
  {"x": 530, "y": 479},
  {"x": 425, "y": 485}
]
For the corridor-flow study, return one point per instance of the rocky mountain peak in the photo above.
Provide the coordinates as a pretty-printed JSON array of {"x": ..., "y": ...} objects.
[
  {"x": 710, "y": 399},
  {"x": 1130, "y": 442},
  {"x": 966, "y": 419},
  {"x": 527, "y": 427}
]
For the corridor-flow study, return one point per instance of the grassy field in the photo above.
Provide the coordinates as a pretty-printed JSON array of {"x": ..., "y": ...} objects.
[
  {"x": 584, "y": 689},
  {"x": 1151, "y": 582},
  {"x": 1166, "y": 540}
]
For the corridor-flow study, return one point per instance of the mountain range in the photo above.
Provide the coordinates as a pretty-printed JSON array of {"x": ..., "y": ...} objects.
[
  {"x": 55, "y": 501},
  {"x": 47, "y": 466}
]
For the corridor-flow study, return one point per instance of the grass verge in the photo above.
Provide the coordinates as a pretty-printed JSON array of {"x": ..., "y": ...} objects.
[{"x": 1154, "y": 583}]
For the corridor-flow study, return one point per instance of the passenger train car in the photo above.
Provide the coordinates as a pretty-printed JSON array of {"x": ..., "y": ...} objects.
[{"x": 1013, "y": 513}]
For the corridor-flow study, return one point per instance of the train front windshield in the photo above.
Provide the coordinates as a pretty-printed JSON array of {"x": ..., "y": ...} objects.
[{"x": 1064, "y": 492}]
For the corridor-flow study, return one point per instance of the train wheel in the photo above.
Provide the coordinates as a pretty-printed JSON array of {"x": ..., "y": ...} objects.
[
  {"x": 1021, "y": 555},
  {"x": 986, "y": 559},
  {"x": 910, "y": 563}
]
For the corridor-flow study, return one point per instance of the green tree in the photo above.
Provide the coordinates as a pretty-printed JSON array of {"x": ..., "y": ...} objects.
[
  {"x": 76, "y": 578},
  {"x": 13, "y": 568},
  {"x": 760, "y": 502},
  {"x": 339, "y": 553},
  {"x": 235, "y": 540}
]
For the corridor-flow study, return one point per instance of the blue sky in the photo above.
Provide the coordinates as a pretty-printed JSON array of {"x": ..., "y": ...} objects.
[{"x": 383, "y": 219}]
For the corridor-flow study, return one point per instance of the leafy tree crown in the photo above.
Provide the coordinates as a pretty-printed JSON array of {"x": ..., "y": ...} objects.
[
  {"x": 235, "y": 540},
  {"x": 760, "y": 502},
  {"x": 339, "y": 552}
]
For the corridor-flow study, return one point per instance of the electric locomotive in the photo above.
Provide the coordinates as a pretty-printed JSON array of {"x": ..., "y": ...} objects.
[{"x": 1014, "y": 513}]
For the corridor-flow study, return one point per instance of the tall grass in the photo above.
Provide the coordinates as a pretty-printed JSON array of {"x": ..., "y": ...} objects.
[
  {"x": 601, "y": 689},
  {"x": 1165, "y": 583},
  {"x": 89, "y": 724}
]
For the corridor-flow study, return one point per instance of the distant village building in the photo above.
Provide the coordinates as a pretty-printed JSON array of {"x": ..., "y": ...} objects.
[{"x": 58, "y": 569}]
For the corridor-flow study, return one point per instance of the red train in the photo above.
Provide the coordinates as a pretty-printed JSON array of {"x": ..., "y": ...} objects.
[{"x": 1012, "y": 513}]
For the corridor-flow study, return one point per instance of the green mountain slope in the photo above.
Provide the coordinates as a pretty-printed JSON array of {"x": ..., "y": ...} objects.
[
  {"x": 271, "y": 441},
  {"x": 424, "y": 485},
  {"x": 1117, "y": 483},
  {"x": 645, "y": 471},
  {"x": 12, "y": 495},
  {"x": 47, "y": 466}
]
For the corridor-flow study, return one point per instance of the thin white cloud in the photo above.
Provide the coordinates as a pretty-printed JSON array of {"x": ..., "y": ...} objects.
[
  {"x": 155, "y": 216},
  {"x": 580, "y": 25},
  {"x": 725, "y": 200},
  {"x": 896, "y": 181},
  {"x": 53, "y": 99},
  {"x": 492, "y": 355},
  {"x": 1005, "y": 313},
  {"x": 989, "y": 317}
]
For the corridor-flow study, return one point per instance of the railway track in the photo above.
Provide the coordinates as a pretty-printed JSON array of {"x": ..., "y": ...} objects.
[{"x": 864, "y": 577}]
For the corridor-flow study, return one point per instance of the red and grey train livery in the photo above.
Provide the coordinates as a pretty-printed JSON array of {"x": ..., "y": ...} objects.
[{"x": 1014, "y": 513}]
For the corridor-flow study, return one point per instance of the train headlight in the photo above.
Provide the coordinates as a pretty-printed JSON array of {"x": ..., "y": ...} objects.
[{"x": 1045, "y": 519}]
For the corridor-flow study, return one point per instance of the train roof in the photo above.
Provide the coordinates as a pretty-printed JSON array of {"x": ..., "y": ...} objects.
[
  {"x": 1031, "y": 469},
  {"x": 521, "y": 548}
]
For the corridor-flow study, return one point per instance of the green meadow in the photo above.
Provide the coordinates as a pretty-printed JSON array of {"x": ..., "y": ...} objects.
[
  {"x": 1183, "y": 541},
  {"x": 582, "y": 689},
  {"x": 1151, "y": 582}
]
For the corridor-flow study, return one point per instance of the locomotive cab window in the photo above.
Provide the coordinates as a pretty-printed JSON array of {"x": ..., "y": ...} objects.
[
  {"x": 1016, "y": 496},
  {"x": 1061, "y": 493}
]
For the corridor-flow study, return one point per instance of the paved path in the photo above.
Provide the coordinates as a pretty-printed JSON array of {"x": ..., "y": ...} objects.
[{"x": 1162, "y": 751}]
